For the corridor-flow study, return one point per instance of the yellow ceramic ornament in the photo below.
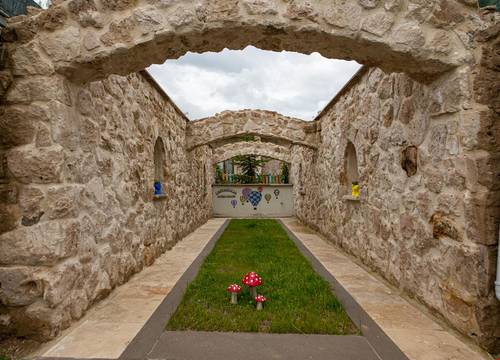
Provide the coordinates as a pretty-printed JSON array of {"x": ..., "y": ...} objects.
[{"x": 355, "y": 189}]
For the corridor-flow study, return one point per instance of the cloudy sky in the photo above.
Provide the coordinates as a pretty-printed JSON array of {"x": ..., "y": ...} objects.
[{"x": 290, "y": 83}]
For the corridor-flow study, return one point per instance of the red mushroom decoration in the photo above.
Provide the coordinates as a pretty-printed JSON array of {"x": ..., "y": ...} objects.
[
  {"x": 260, "y": 299},
  {"x": 252, "y": 280},
  {"x": 234, "y": 289}
]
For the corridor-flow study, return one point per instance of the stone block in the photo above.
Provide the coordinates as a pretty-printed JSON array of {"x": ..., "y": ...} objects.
[
  {"x": 64, "y": 45},
  {"x": 20, "y": 285},
  {"x": 28, "y": 60},
  {"x": 378, "y": 23},
  {"x": 42, "y": 244},
  {"x": 18, "y": 124},
  {"x": 39, "y": 88},
  {"x": 39, "y": 166},
  {"x": 59, "y": 281}
]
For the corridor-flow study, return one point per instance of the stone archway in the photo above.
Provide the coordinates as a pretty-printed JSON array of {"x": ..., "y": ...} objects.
[
  {"x": 274, "y": 151},
  {"x": 90, "y": 39},
  {"x": 263, "y": 124}
]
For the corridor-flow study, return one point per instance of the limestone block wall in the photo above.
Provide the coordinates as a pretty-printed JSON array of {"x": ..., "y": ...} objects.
[
  {"x": 428, "y": 215},
  {"x": 76, "y": 195}
]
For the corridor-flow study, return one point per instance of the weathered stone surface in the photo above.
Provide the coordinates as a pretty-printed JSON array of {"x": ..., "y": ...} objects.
[
  {"x": 119, "y": 32},
  {"x": 378, "y": 23},
  {"x": 118, "y": 4},
  {"x": 8, "y": 194},
  {"x": 18, "y": 125},
  {"x": 64, "y": 45},
  {"x": 447, "y": 14},
  {"x": 39, "y": 88},
  {"x": 409, "y": 35},
  {"x": 75, "y": 7},
  {"x": 20, "y": 285},
  {"x": 260, "y": 7},
  {"x": 43, "y": 244},
  {"x": 39, "y": 166},
  {"x": 63, "y": 201},
  {"x": 28, "y": 60},
  {"x": 149, "y": 19},
  {"x": 9, "y": 217},
  {"x": 443, "y": 227},
  {"x": 409, "y": 160}
]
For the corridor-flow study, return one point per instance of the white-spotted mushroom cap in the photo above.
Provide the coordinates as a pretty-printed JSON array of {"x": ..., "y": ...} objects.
[
  {"x": 252, "y": 279},
  {"x": 234, "y": 288},
  {"x": 260, "y": 298}
]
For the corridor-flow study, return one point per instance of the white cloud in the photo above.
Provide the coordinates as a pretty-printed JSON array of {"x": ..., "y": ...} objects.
[{"x": 290, "y": 83}]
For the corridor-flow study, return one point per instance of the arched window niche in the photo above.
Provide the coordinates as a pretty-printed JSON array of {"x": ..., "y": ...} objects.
[
  {"x": 352, "y": 185},
  {"x": 159, "y": 167},
  {"x": 205, "y": 180}
]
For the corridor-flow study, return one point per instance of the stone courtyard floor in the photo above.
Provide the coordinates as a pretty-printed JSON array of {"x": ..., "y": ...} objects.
[{"x": 130, "y": 323}]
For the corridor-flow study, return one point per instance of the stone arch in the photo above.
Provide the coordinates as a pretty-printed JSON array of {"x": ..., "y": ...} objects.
[
  {"x": 260, "y": 123},
  {"x": 274, "y": 151},
  {"x": 89, "y": 40}
]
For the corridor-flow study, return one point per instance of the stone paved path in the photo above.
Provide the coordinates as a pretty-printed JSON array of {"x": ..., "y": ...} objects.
[
  {"x": 200, "y": 345},
  {"x": 415, "y": 333},
  {"x": 107, "y": 329}
]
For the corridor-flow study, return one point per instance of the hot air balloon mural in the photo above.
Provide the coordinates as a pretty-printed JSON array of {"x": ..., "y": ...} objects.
[
  {"x": 260, "y": 189},
  {"x": 234, "y": 202},
  {"x": 268, "y": 197},
  {"x": 246, "y": 192},
  {"x": 276, "y": 193},
  {"x": 255, "y": 197},
  {"x": 243, "y": 199}
]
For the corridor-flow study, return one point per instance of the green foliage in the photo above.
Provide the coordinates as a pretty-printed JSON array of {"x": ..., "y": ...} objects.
[
  {"x": 218, "y": 174},
  {"x": 249, "y": 164},
  {"x": 248, "y": 138},
  {"x": 285, "y": 173},
  {"x": 298, "y": 299}
]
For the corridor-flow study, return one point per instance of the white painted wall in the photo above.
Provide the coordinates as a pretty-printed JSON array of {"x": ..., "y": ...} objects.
[{"x": 236, "y": 200}]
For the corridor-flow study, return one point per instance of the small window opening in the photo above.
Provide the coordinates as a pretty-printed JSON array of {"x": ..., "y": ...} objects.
[
  {"x": 159, "y": 164},
  {"x": 351, "y": 171}
]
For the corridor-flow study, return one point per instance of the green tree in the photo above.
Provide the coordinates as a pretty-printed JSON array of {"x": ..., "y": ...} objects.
[
  {"x": 249, "y": 164},
  {"x": 285, "y": 173}
]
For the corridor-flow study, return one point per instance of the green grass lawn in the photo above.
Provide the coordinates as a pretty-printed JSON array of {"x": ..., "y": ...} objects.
[{"x": 298, "y": 299}]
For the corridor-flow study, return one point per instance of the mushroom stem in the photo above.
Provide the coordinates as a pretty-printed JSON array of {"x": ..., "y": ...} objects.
[
  {"x": 253, "y": 292},
  {"x": 259, "y": 306},
  {"x": 234, "y": 298}
]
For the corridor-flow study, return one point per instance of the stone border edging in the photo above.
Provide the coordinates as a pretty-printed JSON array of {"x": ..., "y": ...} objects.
[
  {"x": 377, "y": 338},
  {"x": 149, "y": 334}
]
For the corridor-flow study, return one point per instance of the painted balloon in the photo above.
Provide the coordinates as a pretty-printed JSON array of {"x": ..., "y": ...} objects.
[
  {"x": 243, "y": 199},
  {"x": 277, "y": 193},
  {"x": 260, "y": 188},
  {"x": 234, "y": 202},
  {"x": 246, "y": 192},
  {"x": 268, "y": 197},
  {"x": 255, "y": 197}
]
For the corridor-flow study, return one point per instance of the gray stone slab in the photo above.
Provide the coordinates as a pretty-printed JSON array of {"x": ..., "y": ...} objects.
[{"x": 197, "y": 345}]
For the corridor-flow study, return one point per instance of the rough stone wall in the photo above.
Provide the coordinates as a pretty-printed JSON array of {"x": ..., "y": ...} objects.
[
  {"x": 428, "y": 215},
  {"x": 77, "y": 211}
]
